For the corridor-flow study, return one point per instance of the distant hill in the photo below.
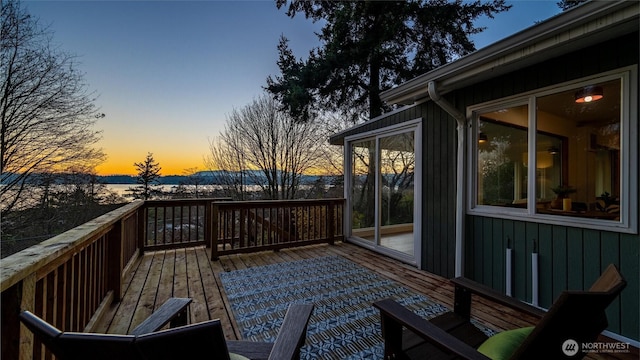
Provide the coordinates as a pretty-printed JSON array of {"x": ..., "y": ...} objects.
[
  {"x": 130, "y": 179},
  {"x": 208, "y": 177}
]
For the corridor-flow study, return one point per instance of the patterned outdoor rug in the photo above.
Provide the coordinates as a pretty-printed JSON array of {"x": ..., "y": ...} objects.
[{"x": 344, "y": 324}]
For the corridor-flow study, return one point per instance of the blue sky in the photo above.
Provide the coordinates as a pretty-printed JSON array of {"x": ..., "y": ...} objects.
[{"x": 167, "y": 73}]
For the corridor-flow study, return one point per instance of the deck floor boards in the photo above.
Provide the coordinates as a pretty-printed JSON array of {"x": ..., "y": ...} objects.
[{"x": 189, "y": 272}]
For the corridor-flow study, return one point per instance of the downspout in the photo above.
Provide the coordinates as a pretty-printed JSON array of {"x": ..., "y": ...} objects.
[{"x": 461, "y": 121}]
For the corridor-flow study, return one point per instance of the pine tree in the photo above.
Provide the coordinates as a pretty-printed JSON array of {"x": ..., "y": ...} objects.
[
  {"x": 568, "y": 4},
  {"x": 371, "y": 46},
  {"x": 148, "y": 176}
]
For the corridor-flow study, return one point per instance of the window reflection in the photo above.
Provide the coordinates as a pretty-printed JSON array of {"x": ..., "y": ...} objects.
[
  {"x": 576, "y": 152},
  {"x": 363, "y": 186},
  {"x": 502, "y": 177},
  {"x": 590, "y": 152}
]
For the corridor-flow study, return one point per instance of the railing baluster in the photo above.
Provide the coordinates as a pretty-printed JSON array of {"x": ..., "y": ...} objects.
[
  {"x": 241, "y": 223},
  {"x": 310, "y": 222},
  {"x": 155, "y": 225},
  {"x": 90, "y": 280}
]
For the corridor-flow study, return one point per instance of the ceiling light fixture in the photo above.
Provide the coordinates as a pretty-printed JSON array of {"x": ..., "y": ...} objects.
[{"x": 589, "y": 94}]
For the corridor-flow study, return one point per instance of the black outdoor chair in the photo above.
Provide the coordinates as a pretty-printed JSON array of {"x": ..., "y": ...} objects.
[
  {"x": 576, "y": 315},
  {"x": 203, "y": 340}
]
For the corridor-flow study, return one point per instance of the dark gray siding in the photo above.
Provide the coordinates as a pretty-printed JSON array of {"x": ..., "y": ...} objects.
[{"x": 439, "y": 144}]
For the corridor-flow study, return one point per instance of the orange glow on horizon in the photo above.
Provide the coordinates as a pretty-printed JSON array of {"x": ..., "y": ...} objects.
[{"x": 126, "y": 167}]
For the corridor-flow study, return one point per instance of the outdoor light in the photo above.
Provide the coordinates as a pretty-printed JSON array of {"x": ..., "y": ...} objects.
[
  {"x": 589, "y": 94},
  {"x": 482, "y": 138}
]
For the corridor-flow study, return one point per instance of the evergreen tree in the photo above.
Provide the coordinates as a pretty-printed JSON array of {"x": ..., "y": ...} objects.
[
  {"x": 148, "y": 176},
  {"x": 370, "y": 46},
  {"x": 568, "y": 4}
]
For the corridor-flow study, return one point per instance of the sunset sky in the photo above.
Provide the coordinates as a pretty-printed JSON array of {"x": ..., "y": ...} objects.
[{"x": 167, "y": 73}]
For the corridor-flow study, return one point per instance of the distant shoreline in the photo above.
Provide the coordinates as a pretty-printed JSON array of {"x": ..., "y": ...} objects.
[{"x": 206, "y": 177}]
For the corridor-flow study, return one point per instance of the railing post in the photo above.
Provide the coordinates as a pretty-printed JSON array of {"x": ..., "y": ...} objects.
[
  {"x": 27, "y": 302},
  {"x": 17, "y": 340},
  {"x": 115, "y": 260},
  {"x": 213, "y": 234}
]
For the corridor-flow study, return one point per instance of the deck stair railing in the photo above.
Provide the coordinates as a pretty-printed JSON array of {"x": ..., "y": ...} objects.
[{"x": 71, "y": 280}]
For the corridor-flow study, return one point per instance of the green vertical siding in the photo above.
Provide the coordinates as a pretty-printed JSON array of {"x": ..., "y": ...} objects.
[
  {"x": 438, "y": 213},
  {"x": 630, "y": 267},
  {"x": 545, "y": 261},
  {"x": 569, "y": 258},
  {"x": 439, "y": 143}
]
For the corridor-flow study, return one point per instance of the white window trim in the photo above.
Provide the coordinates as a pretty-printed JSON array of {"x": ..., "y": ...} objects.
[{"x": 629, "y": 164}]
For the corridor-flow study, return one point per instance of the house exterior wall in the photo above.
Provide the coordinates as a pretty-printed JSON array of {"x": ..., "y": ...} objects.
[
  {"x": 569, "y": 257},
  {"x": 438, "y": 212},
  {"x": 439, "y": 167}
]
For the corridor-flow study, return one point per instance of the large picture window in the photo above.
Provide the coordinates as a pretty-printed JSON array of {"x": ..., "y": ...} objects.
[{"x": 577, "y": 137}]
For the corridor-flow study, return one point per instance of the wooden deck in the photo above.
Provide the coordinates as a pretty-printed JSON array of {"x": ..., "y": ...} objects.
[{"x": 189, "y": 273}]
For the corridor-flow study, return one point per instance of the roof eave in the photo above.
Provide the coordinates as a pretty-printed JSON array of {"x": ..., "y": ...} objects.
[{"x": 558, "y": 35}]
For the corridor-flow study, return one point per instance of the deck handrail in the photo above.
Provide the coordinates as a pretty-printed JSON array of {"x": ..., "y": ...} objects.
[
  {"x": 249, "y": 226},
  {"x": 68, "y": 280},
  {"x": 16, "y": 267},
  {"x": 71, "y": 279}
]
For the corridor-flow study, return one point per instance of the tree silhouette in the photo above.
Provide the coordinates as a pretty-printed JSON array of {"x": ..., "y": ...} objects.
[
  {"x": 148, "y": 176},
  {"x": 370, "y": 46},
  {"x": 263, "y": 146},
  {"x": 47, "y": 114}
]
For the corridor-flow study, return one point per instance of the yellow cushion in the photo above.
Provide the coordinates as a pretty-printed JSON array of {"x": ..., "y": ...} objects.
[{"x": 502, "y": 345}]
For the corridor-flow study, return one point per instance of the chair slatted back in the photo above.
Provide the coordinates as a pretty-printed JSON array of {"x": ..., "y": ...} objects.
[
  {"x": 575, "y": 315},
  {"x": 82, "y": 346},
  {"x": 204, "y": 340}
]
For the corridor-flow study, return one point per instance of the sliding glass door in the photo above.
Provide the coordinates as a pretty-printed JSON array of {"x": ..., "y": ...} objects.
[
  {"x": 363, "y": 188},
  {"x": 397, "y": 170},
  {"x": 382, "y": 192}
]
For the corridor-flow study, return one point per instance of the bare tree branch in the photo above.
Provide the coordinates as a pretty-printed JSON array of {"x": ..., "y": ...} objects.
[
  {"x": 262, "y": 145},
  {"x": 46, "y": 111}
]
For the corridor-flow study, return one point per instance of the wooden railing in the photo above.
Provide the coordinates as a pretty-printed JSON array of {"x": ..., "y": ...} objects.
[
  {"x": 68, "y": 280},
  {"x": 177, "y": 223},
  {"x": 250, "y": 226},
  {"x": 71, "y": 279}
]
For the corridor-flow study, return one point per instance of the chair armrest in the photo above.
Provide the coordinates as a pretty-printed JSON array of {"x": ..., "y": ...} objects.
[
  {"x": 173, "y": 310},
  {"x": 293, "y": 333},
  {"x": 490, "y": 294},
  {"x": 396, "y": 314}
]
